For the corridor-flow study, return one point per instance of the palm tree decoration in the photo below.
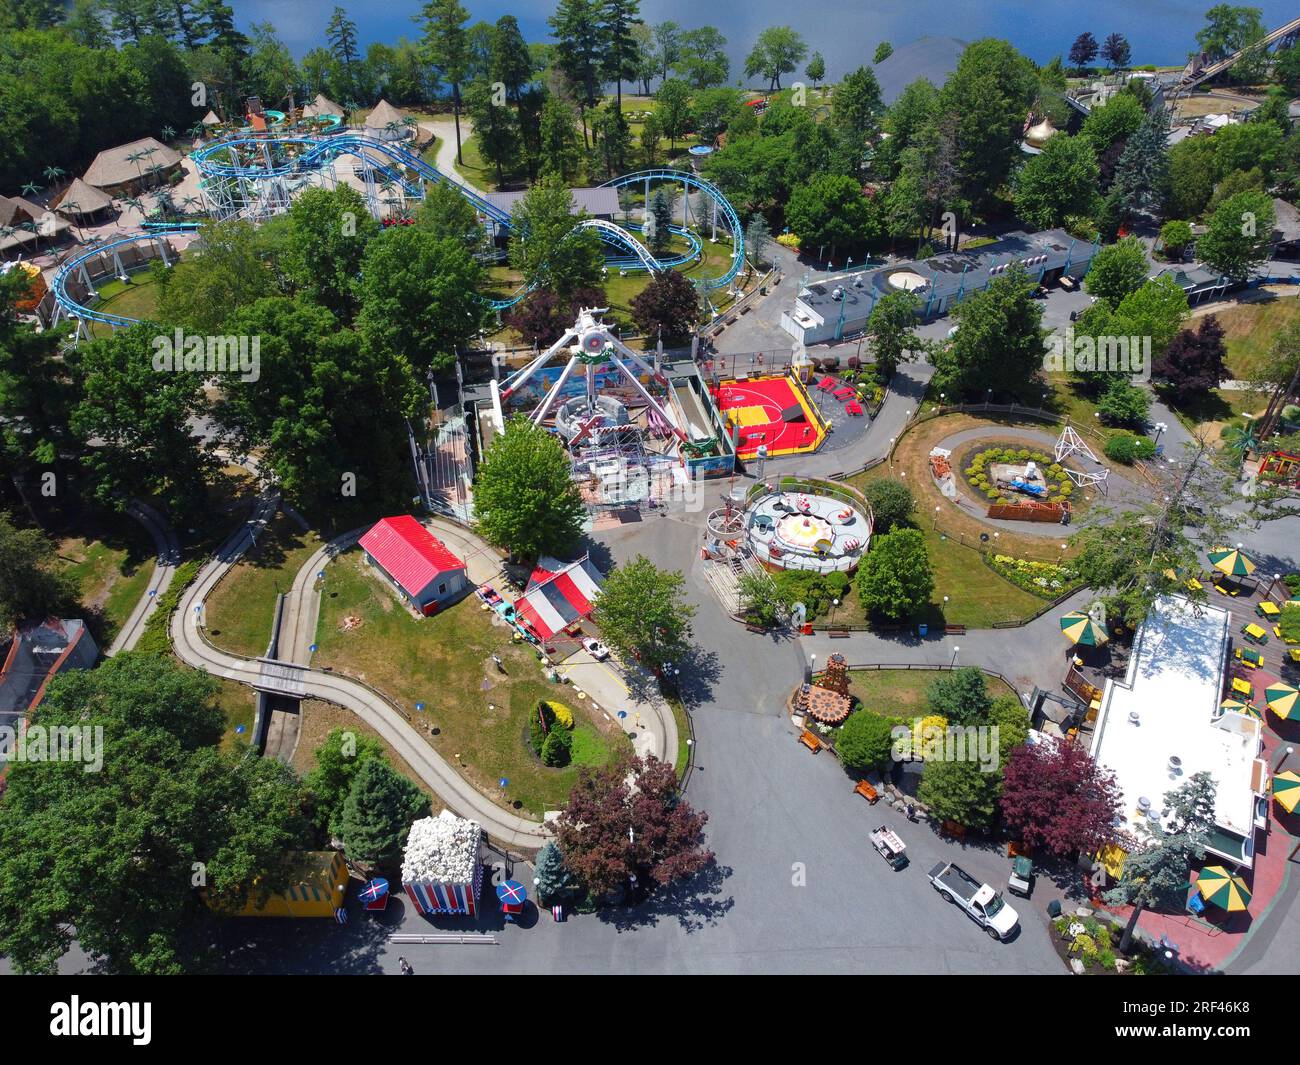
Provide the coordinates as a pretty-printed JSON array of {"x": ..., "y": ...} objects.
[
  {"x": 198, "y": 130},
  {"x": 154, "y": 170},
  {"x": 146, "y": 153},
  {"x": 409, "y": 122},
  {"x": 1240, "y": 439},
  {"x": 190, "y": 202},
  {"x": 6, "y": 233},
  {"x": 131, "y": 201},
  {"x": 392, "y": 127},
  {"x": 75, "y": 209},
  {"x": 53, "y": 173},
  {"x": 35, "y": 229},
  {"x": 135, "y": 157},
  {"x": 168, "y": 133},
  {"x": 31, "y": 189}
]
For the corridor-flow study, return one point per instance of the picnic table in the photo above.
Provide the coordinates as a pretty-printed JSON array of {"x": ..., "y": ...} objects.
[
  {"x": 1194, "y": 584},
  {"x": 1249, "y": 658},
  {"x": 826, "y": 384},
  {"x": 1243, "y": 687},
  {"x": 1268, "y": 609},
  {"x": 844, "y": 393},
  {"x": 853, "y": 407},
  {"x": 1255, "y": 633}
]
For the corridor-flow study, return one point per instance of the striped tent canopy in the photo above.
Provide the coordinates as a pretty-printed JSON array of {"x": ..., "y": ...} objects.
[
  {"x": 1231, "y": 561},
  {"x": 1223, "y": 889},
  {"x": 1281, "y": 699},
  {"x": 565, "y": 596},
  {"x": 1286, "y": 790},
  {"x": 1080, "y": 629}
]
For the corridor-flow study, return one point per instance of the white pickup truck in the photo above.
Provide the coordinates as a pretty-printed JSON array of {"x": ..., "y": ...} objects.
[{"x": 984, "y": 905}]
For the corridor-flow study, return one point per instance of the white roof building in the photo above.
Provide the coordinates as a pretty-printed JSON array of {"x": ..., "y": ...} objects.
[{"x": 1162, "y": 723}]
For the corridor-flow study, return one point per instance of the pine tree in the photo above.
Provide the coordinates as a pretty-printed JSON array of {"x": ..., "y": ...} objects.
[
  {"x": 378, "y": 812},
  {"x": 1142, "y": 176},
  {"x": 555, "y": 884}
]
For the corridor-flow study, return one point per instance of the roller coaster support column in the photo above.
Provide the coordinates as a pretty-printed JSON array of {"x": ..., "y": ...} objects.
[
  {"x": 85, "y": 277},
  {"x": 647, "y": 199},
  {"x": 713, "y": 236},
  {"x": 117, "y": 262},
  {"x": 162, "y": 251}
]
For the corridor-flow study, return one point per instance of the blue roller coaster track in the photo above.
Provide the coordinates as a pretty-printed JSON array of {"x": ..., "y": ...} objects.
[{"x": 266, "y": 159}]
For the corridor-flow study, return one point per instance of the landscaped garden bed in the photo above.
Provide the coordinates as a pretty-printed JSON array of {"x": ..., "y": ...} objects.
[
  {"x": 983, "y": 466},
  {"x": 1048, "y": 580}
]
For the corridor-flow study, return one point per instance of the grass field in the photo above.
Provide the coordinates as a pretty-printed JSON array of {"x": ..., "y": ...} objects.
[
  {"x": 240, "y": 608},
  {"x": 902, "y": 692},
  {"x": 137, "y": 297},
  {"x": 112, "y": 567},
  {"x": 239, "y": 704},
  {"x": 475, "y": 717},
  {"x": 1249, "y": 330}
]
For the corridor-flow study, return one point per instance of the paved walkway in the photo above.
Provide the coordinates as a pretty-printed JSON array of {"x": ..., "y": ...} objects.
[{"x": 167, "y": 549}]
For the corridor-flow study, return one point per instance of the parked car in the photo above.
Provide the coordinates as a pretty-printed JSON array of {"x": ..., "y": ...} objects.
[
  {"x": 890, "y": 847},
  {"x": 982, "y": 904},
  {"x": 596, "y": 649}
]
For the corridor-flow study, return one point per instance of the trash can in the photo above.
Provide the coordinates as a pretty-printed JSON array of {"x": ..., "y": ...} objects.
[
  {"x": 921, "y": 630},
  {"x": 1054, "y": 909}
]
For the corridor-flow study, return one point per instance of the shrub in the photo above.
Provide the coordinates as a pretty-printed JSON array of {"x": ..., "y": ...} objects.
[
  {"x": 540, "y": 725},
  {"x": 1128, "y": 448},
  {"x": 557, "y": 750},
  {"x": 562, "y": 714},
  {"x": 865, "y": 740},
  {"x": 891, "y": 503}
]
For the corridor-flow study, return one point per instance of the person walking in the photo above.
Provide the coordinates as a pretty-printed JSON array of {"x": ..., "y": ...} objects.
[{"x": 405, "y": 966}]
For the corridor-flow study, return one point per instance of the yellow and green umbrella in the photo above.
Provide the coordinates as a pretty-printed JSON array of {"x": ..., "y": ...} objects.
[
  {"x": 1286, "y": 790},
  {"x": 1281, "y": 699},
  {"x": 1239, "y": 707},
  {"x": 1223, "y": 889},
  {"x": 1231, "y": 561},
  {"x": 1079, "y": 628}
]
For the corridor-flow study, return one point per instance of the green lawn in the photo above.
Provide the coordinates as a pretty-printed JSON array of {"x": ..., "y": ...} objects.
[
  {"x": 1249, "y": 330},
  {"x": 137, "y": 297},
  {"x": 112, "y": 567},
  {"x": 239, "y": 704},
  {"x": 902, "y": 692},
  {"x": 977, "y": 596},
  {"x": 480, "y": 715},
  {"x": 240, "y": 610}
]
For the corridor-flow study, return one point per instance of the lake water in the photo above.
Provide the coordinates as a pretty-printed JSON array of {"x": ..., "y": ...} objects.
[{"x": 846, "y": 33}]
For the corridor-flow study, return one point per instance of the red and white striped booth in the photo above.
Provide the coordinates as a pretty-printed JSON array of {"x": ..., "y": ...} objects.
[{"x": 442, "y": 871}]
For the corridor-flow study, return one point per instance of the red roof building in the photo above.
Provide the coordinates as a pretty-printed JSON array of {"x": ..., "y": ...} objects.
[{"x": 422, "y": 568}]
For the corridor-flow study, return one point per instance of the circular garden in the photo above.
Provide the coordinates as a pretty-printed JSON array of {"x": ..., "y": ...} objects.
[{"x": 985, "y": 464}]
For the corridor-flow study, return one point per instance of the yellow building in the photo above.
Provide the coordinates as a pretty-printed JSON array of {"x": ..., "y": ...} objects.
[{"x": 317, "y": 889}]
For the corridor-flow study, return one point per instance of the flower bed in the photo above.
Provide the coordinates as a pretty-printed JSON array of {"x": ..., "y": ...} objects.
[
  {"x": 977, "y": 471},
  {"x": 1045, "y": 579}
]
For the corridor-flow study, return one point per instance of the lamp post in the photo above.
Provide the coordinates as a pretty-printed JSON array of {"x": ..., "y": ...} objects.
[
  {"x": 1160, "y": 427},
  {"x": 834, "y": 603},
  {"x": 935, "y": 520},
  {"x": 954, "y": 656},
  {"x": 1282, "y": 754}
]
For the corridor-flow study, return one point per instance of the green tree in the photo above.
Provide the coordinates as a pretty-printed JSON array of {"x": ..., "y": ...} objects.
[
  {"x": 512, "y": 63},
  {"x": 831, "y": 209},
  {"x": 961, "y": 697},
  {"x": 1058, "y": 182},
  {"x": 135, "y": 423},
  {"x": 1142, "y": 173},
  {"x": 524, "y": 498},
  {"x": 883, "y": 51},
  {"x": 377, "y": 814},
  {"x": 1175, "y": 235},
  {"x": 32, "y": 587},
  {"x": 324, "y": 243},
  {"x": 447, "y": 46},
  {"x": 703, "y": 61},
  {"x": 998, "y": 349},
  {"x": 815, "y": 71},
  {"x": 619, "y": 61},
  {"x": 857, "y": 104},
  {"x": 420, "y": 298},
  {"x": 117, "y": 849},
  {"x": 1228, "y": 29},
  {"x": 497, "y": 129},
  {"x": 229, "y": 270},
  {"x": 865, "y": 741},
  {"x": 643, "y": 614},
  {"x": 543, "y": 245},
  {"x": 668, "y": 308},
  {"x": 989, "y": 93},
  {"x": 561, "y": 154},
  {"x": 1124, "y": 404},
  {"x": 1236, "y": 240},
  {"x": 960, "y": 792},
  {"x": 1117, "y": 270},
  {"x": 447, "y": 215},
  {"x": 613, "y": 139},
  {"x": 341, "y": 33},
  {"x": 891, "y": 504},
  {"x": 760, "y": 599},
  {"x": 778, "y": 50},
  {"x": 557, "y": 748},
  {"x": 327, "y": 413},
  {"x": 580, "y": 49},
  {"x": 674, "y": 109},
  {"x": 1193, "y": 171},
  {"x": 1156, "y": 875},
  {"x": 555, "y": 884},
  {"x": 892, "y": 328},
  {"x": 337, "y": 762},
  {"x": 895, "y": 580}
]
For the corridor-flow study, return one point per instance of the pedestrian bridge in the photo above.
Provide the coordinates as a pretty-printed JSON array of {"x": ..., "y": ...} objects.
[{"x": 281, "y": 678}]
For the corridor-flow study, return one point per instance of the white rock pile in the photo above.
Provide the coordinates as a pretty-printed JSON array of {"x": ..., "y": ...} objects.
[{"x": 442, "y": 850}]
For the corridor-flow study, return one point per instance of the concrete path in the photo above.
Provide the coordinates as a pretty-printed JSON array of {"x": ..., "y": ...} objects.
[
  {"x": 191, "y": 646},
  {"x": 445, "y": 160},
  {"x": 167, "y": 549}
]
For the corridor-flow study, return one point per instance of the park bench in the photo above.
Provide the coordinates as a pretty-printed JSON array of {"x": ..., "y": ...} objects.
[
  {"x": 838, "y": 634},
  {"x": 954, "y": 830},
  {"x": 869, "y": 793},
  {"x": 755, "y": 628},
  {"x": 954, "y": 630},
  {"x": 810, "y": 740}
]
